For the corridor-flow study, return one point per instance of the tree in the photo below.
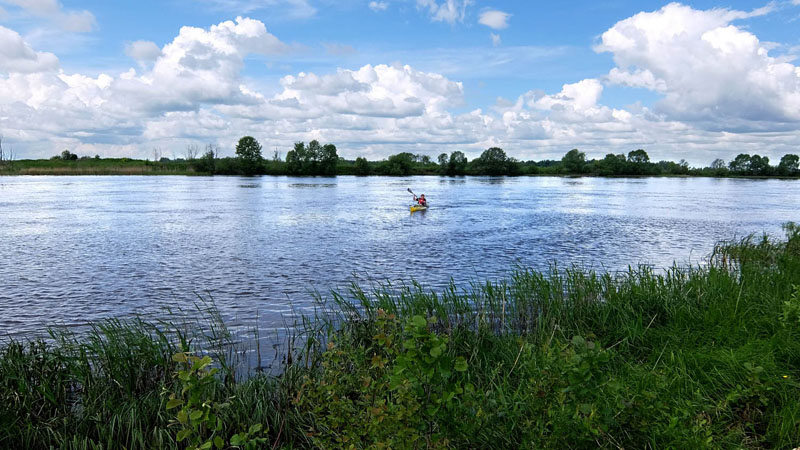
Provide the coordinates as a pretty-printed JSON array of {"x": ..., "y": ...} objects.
[
  {"x": 457, "y": 165},
  {"x": 362, "y": 166},
  {"x": 494, "y": 161},
  {"x": 295, "y": 158},
  {"x": 208, "y": 162},
  {"x": 638, "y": 157},
  {"x": 759, "y": 165},
  {"x": 612, "y": 164},
  {"x": 789, "y": 164},
  {"x": 248, "y": 150},
  {"x": 718, "y": 164},
  {"x": 399, "y": 164},
  {"x": 66, "y": 155},
  {"x": 327, "y": 160},
  {"x": 740, "y": 164},
  {"x": 442, "y": 163},
  {"x": 574, "y": 161}
]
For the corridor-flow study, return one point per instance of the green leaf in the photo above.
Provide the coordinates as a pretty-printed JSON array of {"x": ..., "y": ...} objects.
[
  {"x": 196, "y": 415},
  {"x": 179, "y": 357},
  {"x": 237, "y": 439},
  {"x": 218, "y": 442},
  {"x": 419, "y": 322},
  {"x": 174, "y": 402},
  {"x": 436, "y": 351},
  {"x": 182, "y": 417},
  {"x": 207, "y": 445},
  {"x": 183, "y": 434},
  {"x": 255, "y": 428},
  {"x": 461, "y": 364}
]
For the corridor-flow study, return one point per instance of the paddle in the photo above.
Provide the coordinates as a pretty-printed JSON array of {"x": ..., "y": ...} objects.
[{"x": 412, "y": 192}]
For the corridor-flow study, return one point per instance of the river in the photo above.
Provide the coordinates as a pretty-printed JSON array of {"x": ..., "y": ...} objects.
[{"x": 74, "y": 249}]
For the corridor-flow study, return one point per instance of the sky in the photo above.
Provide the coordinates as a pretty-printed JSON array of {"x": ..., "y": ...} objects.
[{"x": 696, "y": 81}]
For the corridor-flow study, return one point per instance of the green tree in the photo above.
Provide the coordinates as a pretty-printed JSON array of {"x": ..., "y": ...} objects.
[
  {"x": 399, "y": 164},
  {"x": 457, "y": 165},
  {"x": 327, "y": 160},
  {"x": 638, "y": 162},
  {"x": 789, "y": 164},
  {"x": 612, "y": 165},
  {"x": 442, "y": 163},
  {"x": 248, "y": 150},
  {"x": 574, "y": 161},
  {"x": 494, "y": 161},
  {"x": 638, "y": 157},
  {"x": 207, "y": 162},
  {"x": 740, "y": 164},
  {"x": 362, "y": 166},
  {"x": 759, "y": 165},
  {"x": 718, "y": 164},
  {"x": 66, "y": 155},
  {"x": 295, "y": 158}
]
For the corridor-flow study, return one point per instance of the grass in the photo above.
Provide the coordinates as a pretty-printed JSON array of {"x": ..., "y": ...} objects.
[
  {"x": 92, "y": 166},
  {"x": 701, "y": 357}
]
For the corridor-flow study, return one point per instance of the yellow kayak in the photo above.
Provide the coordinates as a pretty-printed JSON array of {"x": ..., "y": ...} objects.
[{"x": 418, "y": 208}]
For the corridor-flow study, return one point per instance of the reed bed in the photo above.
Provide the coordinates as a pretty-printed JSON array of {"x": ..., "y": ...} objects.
[{"x": 689, "y": 357}]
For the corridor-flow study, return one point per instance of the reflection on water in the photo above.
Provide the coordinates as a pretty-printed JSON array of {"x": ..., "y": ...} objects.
[{"x": 81, "y": 248}]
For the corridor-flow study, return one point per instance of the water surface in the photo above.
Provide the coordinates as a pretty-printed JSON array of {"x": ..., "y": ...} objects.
[{"x": 74, "y": 249}]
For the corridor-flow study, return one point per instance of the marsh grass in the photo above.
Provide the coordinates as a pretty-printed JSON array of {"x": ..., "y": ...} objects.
[{"x": 688, "y": 357}]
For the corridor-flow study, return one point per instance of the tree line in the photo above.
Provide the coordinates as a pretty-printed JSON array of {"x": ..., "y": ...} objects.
[{"x": 315, "y": 158}]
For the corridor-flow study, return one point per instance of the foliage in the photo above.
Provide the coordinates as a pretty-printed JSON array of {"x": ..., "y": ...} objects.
[
  {"x": 687, "y": 357},
  {"x": 198, "y": 420},
  {"x": 362, "y": 166},
  {"x": 248, "y": 150},
  {"x": 312, "y": 160},
  {"x": 494, "y": 161},
  {"x": 574, "y": 161}
]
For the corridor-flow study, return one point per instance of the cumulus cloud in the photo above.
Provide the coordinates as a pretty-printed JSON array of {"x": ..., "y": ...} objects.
[
  {"x": 450, "y": 11},
  {"x": 192, "y": 91},
  {"x": 710, "y": 71},
  {"x": 144, "y": 51},
  {"x": 494, "y": 19},
  {"x": 17, "y": 56},
  {"x": 382, "y": 6},
  {"x": 67, "y": 20}
]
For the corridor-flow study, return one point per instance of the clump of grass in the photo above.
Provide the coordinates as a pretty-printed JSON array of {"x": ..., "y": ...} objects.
[{"x": 689, "y": 357}]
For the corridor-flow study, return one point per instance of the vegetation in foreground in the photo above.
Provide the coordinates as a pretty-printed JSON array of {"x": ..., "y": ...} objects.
[
  {"x": 316, "y": 159},
  {"x": 703, "y": 357}
]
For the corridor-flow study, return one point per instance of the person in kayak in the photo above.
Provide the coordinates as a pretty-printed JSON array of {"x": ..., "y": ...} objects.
[{"x": 421, "y": 200}]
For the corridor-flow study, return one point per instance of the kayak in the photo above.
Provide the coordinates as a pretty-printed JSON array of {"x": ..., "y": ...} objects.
[{"x": 418, "y": 208}]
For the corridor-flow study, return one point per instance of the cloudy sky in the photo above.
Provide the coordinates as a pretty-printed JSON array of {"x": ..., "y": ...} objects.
[{"x": 695, "y": 80}]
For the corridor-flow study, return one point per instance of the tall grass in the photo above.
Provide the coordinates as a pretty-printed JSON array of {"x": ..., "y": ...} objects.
[{"x": 689, "y": 357}]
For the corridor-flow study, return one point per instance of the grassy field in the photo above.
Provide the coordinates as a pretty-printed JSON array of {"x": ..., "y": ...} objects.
[
  {"x": 92, "y": 166},
  {"x": 704, "y": 357}
]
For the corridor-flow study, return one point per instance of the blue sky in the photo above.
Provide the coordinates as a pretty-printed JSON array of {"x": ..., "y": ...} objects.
[{"x": 379, "y": 77}]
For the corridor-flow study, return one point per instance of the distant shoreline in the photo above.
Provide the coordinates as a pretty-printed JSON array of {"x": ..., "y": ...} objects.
[{"x": 230, "y": 166}]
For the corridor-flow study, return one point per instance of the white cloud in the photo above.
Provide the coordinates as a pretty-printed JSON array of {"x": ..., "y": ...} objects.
[
  {"x": 710, "y": 71},
  {"x": 378, "y": 6},
  {"x": 450, "y": 11},
  {"x": 144, "y": 51},
  {"x": 494, "y": 19},
  {"x": 67, "y": 20},
  {"x": 495, "y": 39},
  {"x": 193, "y": 91},
  {"x": 17, "y": 56}
]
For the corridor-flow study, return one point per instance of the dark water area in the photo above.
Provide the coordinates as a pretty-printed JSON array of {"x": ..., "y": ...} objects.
[{"x": 75, "y": 249}]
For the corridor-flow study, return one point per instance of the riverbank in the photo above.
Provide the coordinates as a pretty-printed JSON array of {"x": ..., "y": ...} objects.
[
  {"x": 233, "y": 166},
  {"x": 705, "y": 357}
]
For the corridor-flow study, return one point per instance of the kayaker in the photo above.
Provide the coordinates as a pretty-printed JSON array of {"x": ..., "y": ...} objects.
[{"x": 421, "y": 200}]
